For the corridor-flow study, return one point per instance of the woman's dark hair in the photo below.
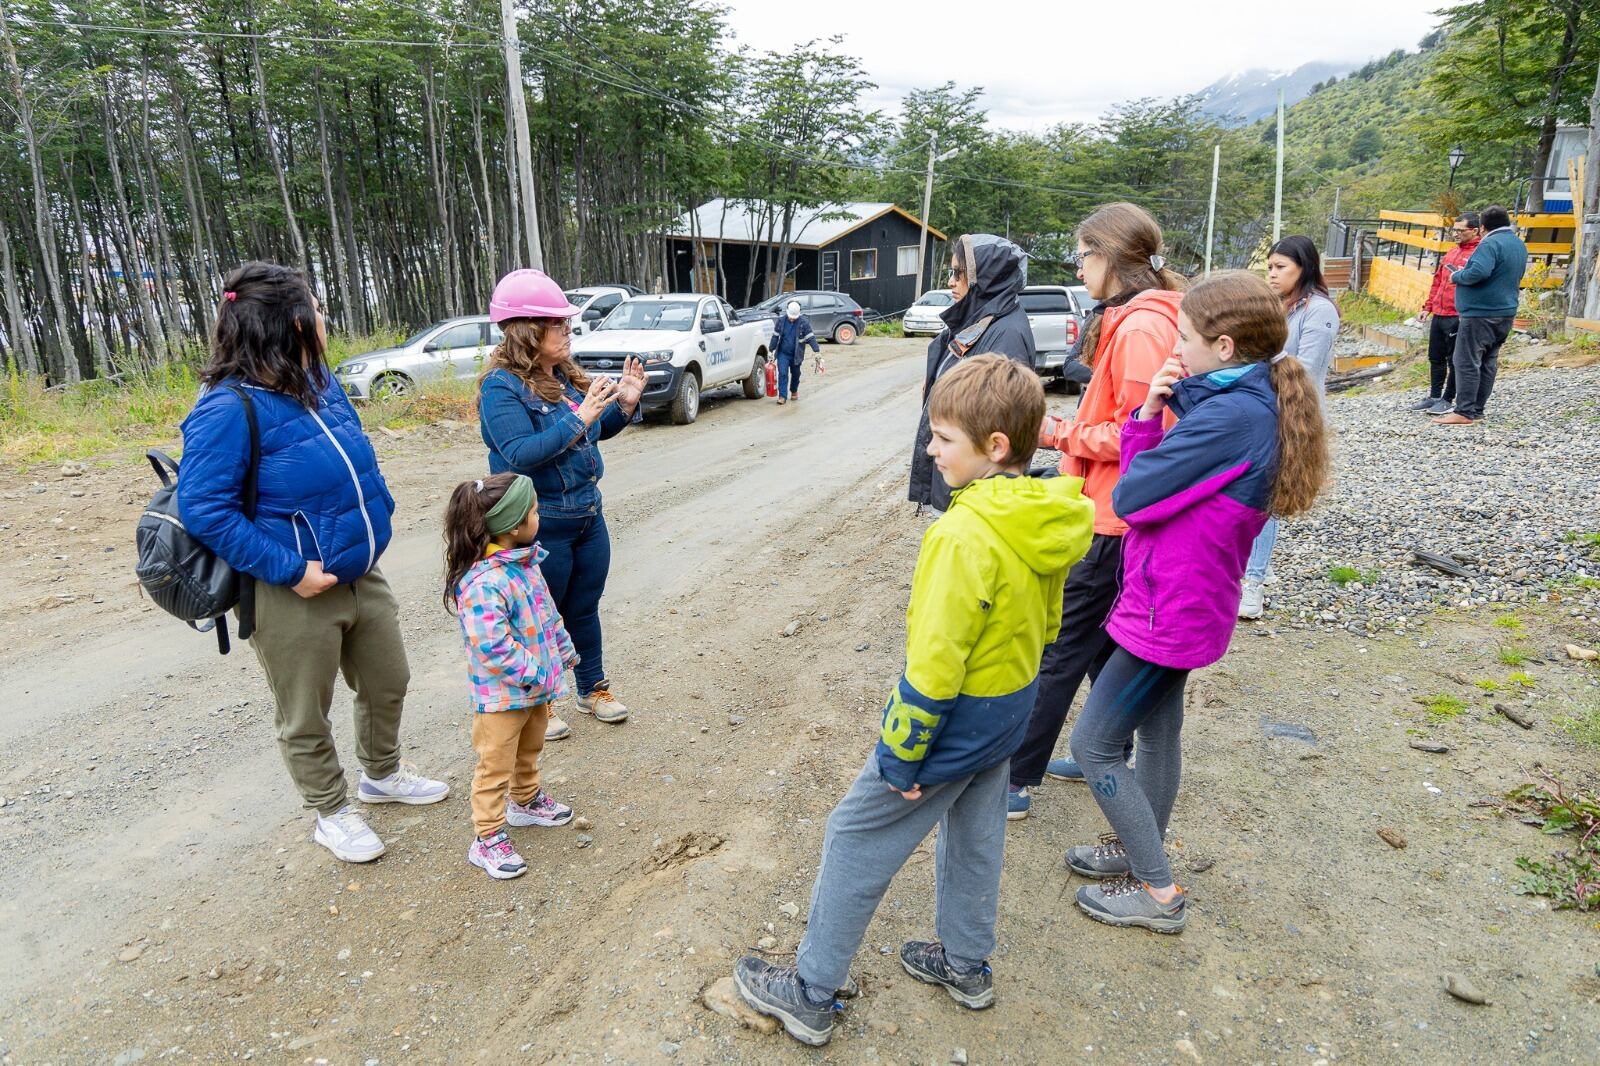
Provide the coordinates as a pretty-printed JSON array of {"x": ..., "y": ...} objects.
[
  {"x": 1302, "y": 252},
  {"x": 267, "y": 333},
  {"x": 1496, "y": 217},
  {"x": 466, "y": 530}
]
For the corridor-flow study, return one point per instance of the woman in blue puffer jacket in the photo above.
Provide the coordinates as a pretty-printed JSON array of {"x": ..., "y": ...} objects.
[{"x": 321, "y": 522}]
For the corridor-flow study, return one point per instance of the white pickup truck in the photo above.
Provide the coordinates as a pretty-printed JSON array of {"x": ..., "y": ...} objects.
[{"x": 687, "y": 342}]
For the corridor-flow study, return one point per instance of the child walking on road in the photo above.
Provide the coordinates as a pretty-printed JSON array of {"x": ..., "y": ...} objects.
[
  {"x": 985, "y": 599},
  {"x": 1249, "y": 441},
  {"x": 517, "y": 655}
]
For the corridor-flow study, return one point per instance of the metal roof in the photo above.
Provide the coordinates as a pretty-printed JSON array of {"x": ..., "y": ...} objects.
[{"x": 813, "y": 227}]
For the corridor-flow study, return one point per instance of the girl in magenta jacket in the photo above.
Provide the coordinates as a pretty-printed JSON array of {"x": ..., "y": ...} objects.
[{"x": 1249, "y": 442}]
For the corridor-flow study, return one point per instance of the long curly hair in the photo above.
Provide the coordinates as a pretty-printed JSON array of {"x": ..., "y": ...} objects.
[
  {"x": 519, "y": 353},
  {"x": 1242, "y": 306},
  {"x": 1127, "y": 236}
]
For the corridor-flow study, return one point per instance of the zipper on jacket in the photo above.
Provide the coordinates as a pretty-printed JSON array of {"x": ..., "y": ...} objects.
[
  {"x": 1150, "y": 590},
  {"x": 361, "y": 497}
]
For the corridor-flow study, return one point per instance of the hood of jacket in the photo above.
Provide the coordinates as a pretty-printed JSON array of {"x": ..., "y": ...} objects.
[
  {"x": 997, "y": 271},
  {"x": 1162, "y": 302},
  {"x": 1043, "y": 520},
  {"x": 1255, "y": 382}
]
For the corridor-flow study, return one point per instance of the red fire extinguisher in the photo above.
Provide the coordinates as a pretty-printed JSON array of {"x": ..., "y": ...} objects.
[{"x": 772, "y": 377}]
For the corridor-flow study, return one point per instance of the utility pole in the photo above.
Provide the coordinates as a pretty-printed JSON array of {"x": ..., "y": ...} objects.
[
  {"x": 1211, "y": 213},
  {"x": 927, "y": 205},
  {"x": 1277, "y": 199},
  {"x": 519, "y": 111},
  {"x": 1584, "y": 298}
]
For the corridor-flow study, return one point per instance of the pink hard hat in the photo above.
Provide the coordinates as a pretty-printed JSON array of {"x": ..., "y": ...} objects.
[{"x": 528, "y": 293}]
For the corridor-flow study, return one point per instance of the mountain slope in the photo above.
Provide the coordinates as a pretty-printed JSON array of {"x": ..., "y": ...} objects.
[{"x": 1246, "y": 97}]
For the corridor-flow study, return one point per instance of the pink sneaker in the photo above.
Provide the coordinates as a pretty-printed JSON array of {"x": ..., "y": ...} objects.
[
  {"x": 542, "y": 811},
  {"x": 497, "y": 858}
]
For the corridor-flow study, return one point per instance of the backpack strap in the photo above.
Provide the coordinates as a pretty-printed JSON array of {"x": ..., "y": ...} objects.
[
  {"x": 247, "y": 584},
  {"x": 165, "y": 468}
]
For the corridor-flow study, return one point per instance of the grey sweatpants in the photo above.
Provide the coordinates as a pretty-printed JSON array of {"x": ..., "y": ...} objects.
[{"x": 871, "y": 834}]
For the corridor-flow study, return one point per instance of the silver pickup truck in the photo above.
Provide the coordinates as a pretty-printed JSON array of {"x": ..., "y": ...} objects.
[{"x": 1058, "y": 315}]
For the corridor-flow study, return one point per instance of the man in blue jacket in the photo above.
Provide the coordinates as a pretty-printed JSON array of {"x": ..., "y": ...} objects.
[
  {"x": 1487, "y": 291},
  {"x": 790, "y": 335}
]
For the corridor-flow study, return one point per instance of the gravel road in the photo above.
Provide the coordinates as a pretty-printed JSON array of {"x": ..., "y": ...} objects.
[{"x": 161, "y": 901}]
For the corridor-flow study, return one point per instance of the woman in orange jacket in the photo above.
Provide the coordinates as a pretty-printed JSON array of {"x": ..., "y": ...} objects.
[{"x": 1134, "y": 331}]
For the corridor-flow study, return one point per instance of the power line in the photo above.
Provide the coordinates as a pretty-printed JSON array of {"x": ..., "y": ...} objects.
[{"x": 161, "y": 31}]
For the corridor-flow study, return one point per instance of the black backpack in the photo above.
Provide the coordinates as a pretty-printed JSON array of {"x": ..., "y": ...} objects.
[{"x": 184, "y": 577}]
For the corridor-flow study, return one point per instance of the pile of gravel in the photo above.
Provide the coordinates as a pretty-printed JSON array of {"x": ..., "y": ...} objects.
[{"x": 1506, "y": 498}]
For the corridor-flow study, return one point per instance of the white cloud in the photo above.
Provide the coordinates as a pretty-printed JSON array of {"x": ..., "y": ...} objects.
[{"x": 1042, "y": 63}]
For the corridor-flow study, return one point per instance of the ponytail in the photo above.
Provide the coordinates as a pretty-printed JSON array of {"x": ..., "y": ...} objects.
[
  {"x": 1302, "y": 439},
  {"x": 466, "y": 529},
  {"x": 1239, "y": 305}
]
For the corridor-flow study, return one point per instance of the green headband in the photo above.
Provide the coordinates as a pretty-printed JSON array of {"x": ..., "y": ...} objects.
[{"x": 513, "y": 507}]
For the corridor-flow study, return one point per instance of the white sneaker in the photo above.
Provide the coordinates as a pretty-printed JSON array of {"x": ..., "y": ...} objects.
[
  {"x": 1253, "y": 603},
  {"x": 348, "y": 836},
  {"x": 405, "y": 785},
  {"x": 556, "y": 729}
]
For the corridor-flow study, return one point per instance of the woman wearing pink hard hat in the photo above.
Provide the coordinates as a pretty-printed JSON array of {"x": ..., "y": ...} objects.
[{"x": 542, "y": 416}]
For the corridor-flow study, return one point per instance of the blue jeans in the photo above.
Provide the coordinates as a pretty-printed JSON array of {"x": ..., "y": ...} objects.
[
  {"x": 788, "y": 375},
  {"x": 576, "y": 567},
  {"x": 1261, "y": 551}
]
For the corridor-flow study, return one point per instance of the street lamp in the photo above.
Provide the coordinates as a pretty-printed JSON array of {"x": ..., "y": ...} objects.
[{"x": 1458, "y": 155}]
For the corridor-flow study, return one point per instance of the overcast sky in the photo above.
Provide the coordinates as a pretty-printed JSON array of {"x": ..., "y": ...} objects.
[{"x": 1042, "y": 63}]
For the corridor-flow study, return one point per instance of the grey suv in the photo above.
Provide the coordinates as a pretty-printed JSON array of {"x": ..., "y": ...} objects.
[{"x": 833, "y": 315}]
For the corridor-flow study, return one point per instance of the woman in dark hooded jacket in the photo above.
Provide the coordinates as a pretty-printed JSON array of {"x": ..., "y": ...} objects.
[{"x": 986, "y": 275}]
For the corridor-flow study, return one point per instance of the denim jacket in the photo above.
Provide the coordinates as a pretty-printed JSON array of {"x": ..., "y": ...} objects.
[{"x": 548, "y": 442}]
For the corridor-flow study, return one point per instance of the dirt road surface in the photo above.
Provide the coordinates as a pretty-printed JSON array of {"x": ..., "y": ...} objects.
[{"x": 160, "y": 899}]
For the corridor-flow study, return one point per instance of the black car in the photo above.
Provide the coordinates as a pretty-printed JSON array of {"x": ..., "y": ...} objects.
[{"x": 833, "y": 315}]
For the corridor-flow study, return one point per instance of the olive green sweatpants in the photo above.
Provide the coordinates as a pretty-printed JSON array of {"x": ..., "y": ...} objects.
[{"x": 303, "y": 645}]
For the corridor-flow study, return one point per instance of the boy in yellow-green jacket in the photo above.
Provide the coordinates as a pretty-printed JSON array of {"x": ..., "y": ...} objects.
[{"x": 985, "y": 600}]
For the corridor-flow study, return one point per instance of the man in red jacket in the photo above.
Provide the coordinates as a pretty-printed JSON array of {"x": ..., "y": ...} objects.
[{"x": 1441, "y": 305}]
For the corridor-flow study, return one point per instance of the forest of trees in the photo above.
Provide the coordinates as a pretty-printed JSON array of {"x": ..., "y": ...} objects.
[{"x": 149, "y": 145}]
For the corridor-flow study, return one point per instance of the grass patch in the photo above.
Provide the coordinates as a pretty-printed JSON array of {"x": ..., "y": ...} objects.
[
  {"x": 1364, "y": 309},
  {"x": 1522, "y": 679},
  {"x": 1512, "y": 656},
  {"x": 139, "y": 409},
  {"x": 1571, "y": 876},
  {"x": 1583, "y": 728},
  {"x": 883, "y": 329},
  {"x": 1344, "y": 575},
  {"x": 1442, "y": 707},
  {"x": 1488, "y": 684},
  {"x": 1509, "y": 621}
]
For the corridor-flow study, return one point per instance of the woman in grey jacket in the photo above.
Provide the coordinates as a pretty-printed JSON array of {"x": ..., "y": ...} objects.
[{"x": 1294, "y": 270}]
